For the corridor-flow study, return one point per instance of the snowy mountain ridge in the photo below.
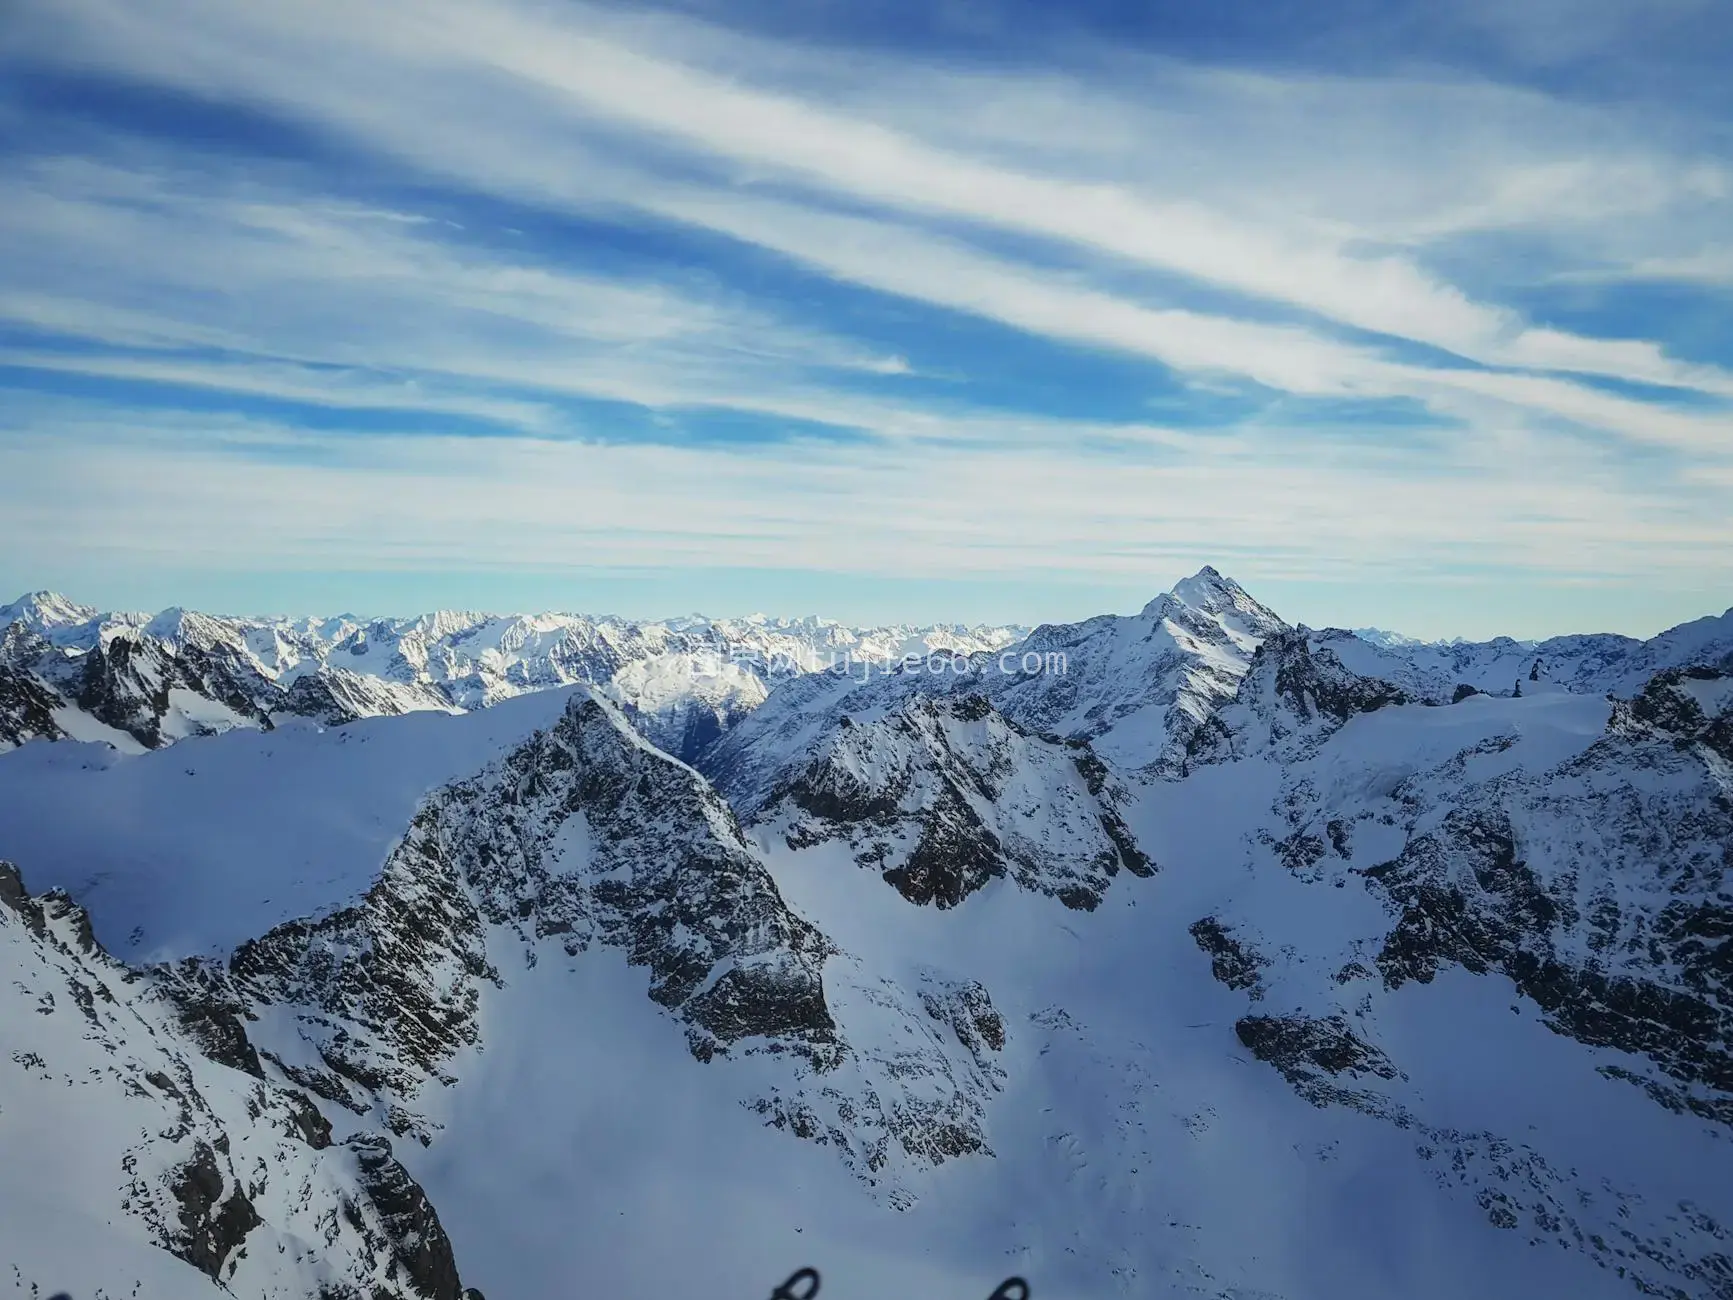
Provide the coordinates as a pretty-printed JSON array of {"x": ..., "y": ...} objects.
[
  {"x": 1171, "y": 954},
  {"x": 136, "y": 679}
]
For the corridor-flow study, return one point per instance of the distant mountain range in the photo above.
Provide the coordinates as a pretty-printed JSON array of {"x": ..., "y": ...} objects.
[{"x": 71, "y": 670}]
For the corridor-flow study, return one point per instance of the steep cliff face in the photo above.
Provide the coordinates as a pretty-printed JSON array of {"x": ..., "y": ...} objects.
[
  {"x": 583, "y": 835},
  {"x": 941, "y": 795},
  {"x": 27, "y": 709},
  {"x": 1292, "y": 698},
  {"x": 161, "y": 1160},
  {"x": 1625, "y": 944}
]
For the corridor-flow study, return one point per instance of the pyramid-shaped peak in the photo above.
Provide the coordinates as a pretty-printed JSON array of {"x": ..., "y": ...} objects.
[
  {"x": 45, "y": 609},
  {"x": 1212, "y": 593},
  {"x": 1205, "y": 586}
]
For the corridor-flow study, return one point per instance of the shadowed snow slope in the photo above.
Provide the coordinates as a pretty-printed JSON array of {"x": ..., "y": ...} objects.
[{"x": 1598, "y": 663}]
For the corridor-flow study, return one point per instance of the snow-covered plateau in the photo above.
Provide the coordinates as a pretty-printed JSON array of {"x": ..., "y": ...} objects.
[{"x": 1190, "y": 953}]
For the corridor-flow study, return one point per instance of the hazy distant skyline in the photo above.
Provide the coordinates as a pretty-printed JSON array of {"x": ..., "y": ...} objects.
[{"x": 1414, "y": 316}]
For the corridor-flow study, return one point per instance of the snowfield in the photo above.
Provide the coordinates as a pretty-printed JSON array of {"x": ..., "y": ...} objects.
[{"x": 1237, "y": 961}]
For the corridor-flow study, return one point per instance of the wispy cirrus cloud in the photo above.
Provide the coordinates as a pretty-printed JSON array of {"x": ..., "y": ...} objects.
[{"x": 546, "y": 219}]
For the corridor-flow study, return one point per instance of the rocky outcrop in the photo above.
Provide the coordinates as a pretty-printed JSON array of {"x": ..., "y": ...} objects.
[
  {"x": 1233, "y": 961},
  {"x": 26, "y": 709},
  {"x": 943, "y": 794},
  {"x": 388, "y": 990},
  {"x": 411, "y": 1234},
  {"x": 1310, "y": 1052},
  {"x": 1628, "y": 947},
  {"x": 170, "y": 1129},
  {"x": 1290, "y": 701},
  {"x": 215, "y": 1214}
]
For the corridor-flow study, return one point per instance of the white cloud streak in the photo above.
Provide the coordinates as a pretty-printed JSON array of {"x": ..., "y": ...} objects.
[
  {"x": 551, "y": 66},
  {"x": 1233, "y": 228},
  {"x": 264, "y": 497}
]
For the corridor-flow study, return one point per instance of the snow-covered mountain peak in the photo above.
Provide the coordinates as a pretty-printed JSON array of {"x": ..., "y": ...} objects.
[
  {"x": 1133, "y": 686},
  {"x": 48, "y": 614},
  {"x": 1449, "y": 983},
  {"x": 45, "y": 609},
  {"x": 157, "y": 678},
  {"x": 1220, "y": 599}
]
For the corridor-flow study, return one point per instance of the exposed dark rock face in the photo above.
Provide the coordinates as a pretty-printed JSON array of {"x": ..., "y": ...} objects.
[
  {"x": 214, "y": 1147},
  {"x": 1310, "y": 1051},
  {"x": 26, "y": 706},
  {"x": 1630, "y": 948},
  {"x": 1232, "y": 961},
  {"x": 215, "y": 1217},
  {"x": 583, "y": 835},
  {"x": 943, "y": 794},
  {"x": 419, "y": 1250},
  {"x": 967, "y": 1009},
  {"x": 218, "y": 671},
  {"x": 389, "y": 988},
  {"x": 14, "y": 898},
  {"x": 1304, "y": 1047},
  {"x": 125, "y": 679},
  {"x": 322, "y": 697},
  {"x": 1465, "y": 898},
  {"x": 670, "y": 878},
  {"x": 215, "y": 1028},
  {"x": 955, "y": 855},
  {"x": 1291, "y": 699},
  {"x": 1668, "y": 707},
  {"x": 125, "y": 682}
]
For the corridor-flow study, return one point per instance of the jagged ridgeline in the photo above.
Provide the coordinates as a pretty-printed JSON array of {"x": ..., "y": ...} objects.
[
  {"x": 1115, "y": 950},
  {"x": 134, "y": 679}
]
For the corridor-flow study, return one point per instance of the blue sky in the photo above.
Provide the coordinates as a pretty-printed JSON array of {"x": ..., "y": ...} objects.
[{"x": 1417, "y": 315}]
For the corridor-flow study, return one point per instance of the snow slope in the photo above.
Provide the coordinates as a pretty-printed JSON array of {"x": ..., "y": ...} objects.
[
  {"x": 195, "y": 849},
  {"x": 1598, "y": 663},
  {"x": 147, "y": 1154}
]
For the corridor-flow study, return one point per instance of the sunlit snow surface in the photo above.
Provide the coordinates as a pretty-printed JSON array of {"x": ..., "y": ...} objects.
[{"x": 196, "y": 848}]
